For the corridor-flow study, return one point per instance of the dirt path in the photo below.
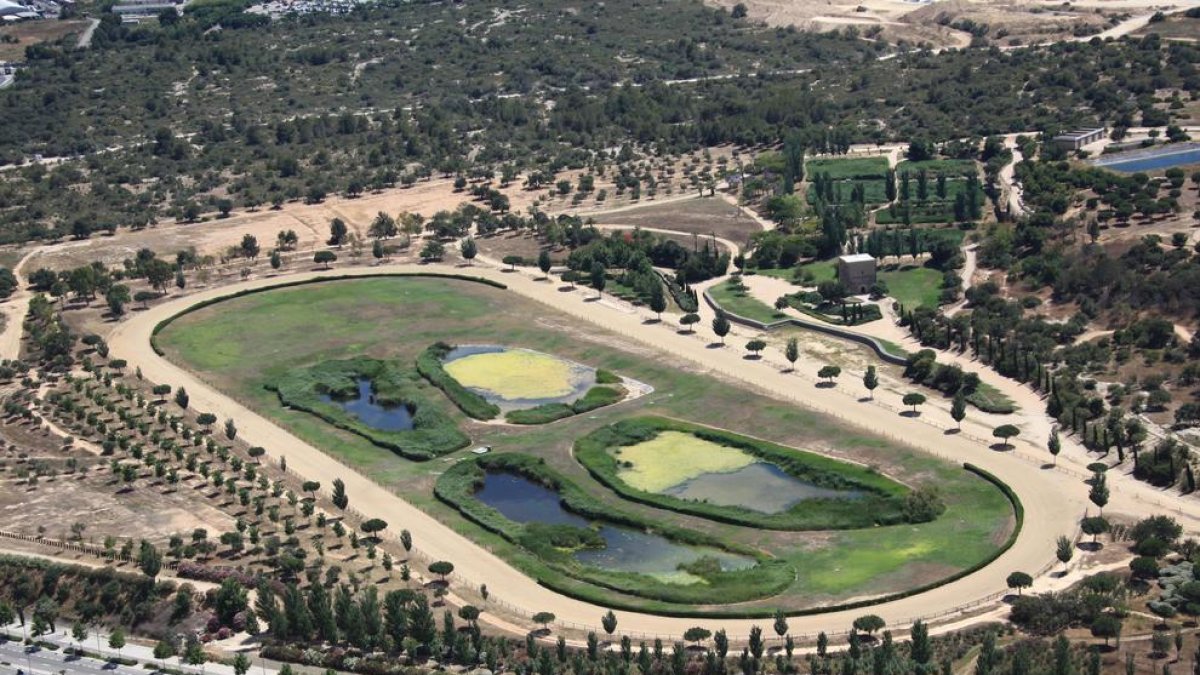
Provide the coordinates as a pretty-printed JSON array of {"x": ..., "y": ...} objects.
[
  {"x": 1053, "y": 501},
  {"x": 14, "y": 310}
]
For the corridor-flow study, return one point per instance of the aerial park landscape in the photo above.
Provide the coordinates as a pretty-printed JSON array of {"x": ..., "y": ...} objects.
[{"x": 695, "y": 386}]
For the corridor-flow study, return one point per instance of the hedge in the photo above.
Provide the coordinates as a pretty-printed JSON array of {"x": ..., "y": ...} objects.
[
  {"x": 596, "y": 397},
  {"x": 158, "y": 328},
  {"x": 433, "y": 434},
  {"x": 883, "y": 504},
  {"x": 458, "y": 485},
  {"x": 429, "y": 364}
]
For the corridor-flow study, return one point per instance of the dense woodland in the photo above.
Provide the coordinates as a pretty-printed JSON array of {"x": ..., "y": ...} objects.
[{"x": 303, "y": 108}]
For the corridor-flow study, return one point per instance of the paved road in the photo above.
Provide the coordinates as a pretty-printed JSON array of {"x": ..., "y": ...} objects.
[
  {"x": 37, "y": 661},
  {"x": 1054, "y": 503}
]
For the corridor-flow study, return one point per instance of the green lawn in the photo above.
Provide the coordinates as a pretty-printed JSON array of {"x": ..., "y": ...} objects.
[
  {"x": 913, "y": 286},
  {"x": 843, "y": 168},
  {"x": 240, "y": 344},
  {"x": 822, "y": 270},
  {"x": 949, "y": 167},
  {"x": 743, "y": 304}
]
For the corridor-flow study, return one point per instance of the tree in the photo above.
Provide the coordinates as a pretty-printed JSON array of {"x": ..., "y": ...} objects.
[
  {"x": 276, "y": 260},
  {"x": 720, "y": 326},
  {"x": 79, "y": 633},
  {"x": 441, "y": 568},
  {"x": 230, "y": 429},
  {"x": 792, "y": 352},
  {"x": 958, "y": 409},
  {"x": 829, "y": 372},
  {"x": 374, "y": 525},
  {"x": 1106, "y": 626},
  {"x": 609, "y": 622},
  {"x": 780, "y": 624},
  {"x": 149, "y": 560},
  {"x": 1064, "y": 549},
  {"x": 1099, "y": 492},
  {"x": 543, "y": 262},
  {"x": 598, "y": 278},
  {"x": 688, "y": 320},
  {"x": 696, "y": 634},
  {"x": 1005, "y": 432},
  {"x": 1054, "y": 445},
  {"x": 339, "y": 497},
  {"x": 377, "y": 250},
  {"x": 468, "y": 249},
  {"x": 406, "y": 540},
  {"x": 181, "y": 398},
  {"x": 913, "y": 399},
  {"x": 871, "y": 381},
  {"x": 338, "y": 232},
  {"x": 1094, "y": 526},
  {"x": 755, "y": 346},
  {"x": 324, "y": 258},
  {"x": 658, "y": 301},
  {"x": 868, "y": 623},
  {"x": 116, "y": 640},
  {"x": 249, "y": 247},
  {"x": 739, "y": 11},
  {"x": 512, "y": 261},
  {"x": 544, "y": 618},
  {"x": 432, "y": 250},
  {"x": 241, "y": 664},
  {"x": 206, "y": 419},
  {"x": 1019, "y": 581}
]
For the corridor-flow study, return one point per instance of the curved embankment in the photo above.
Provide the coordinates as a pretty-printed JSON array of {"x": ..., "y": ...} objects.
[{"x": 1052, "y": 502}]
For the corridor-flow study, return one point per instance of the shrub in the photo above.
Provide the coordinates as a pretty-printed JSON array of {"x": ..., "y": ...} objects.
[{"x": 429, "y": 364}]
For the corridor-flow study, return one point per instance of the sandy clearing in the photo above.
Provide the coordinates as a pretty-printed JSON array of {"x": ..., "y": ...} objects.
[{"x": 1043, "y": 493}]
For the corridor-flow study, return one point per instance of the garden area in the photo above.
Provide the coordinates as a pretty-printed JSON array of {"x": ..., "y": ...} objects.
[{"x": 599, "y": 544}]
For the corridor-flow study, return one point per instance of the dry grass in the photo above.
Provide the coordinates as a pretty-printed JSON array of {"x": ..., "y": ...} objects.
[{"x": 32, "y": 32}]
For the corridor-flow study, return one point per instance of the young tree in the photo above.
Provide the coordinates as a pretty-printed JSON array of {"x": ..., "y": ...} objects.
[
  {"x": 1064, "y": 549},
  {"x": 780, "y": 624},
  {"x": 869, "y": 623},
  {"x": 324, "y": 258},
  {"x": 871, "y": 381},
  {"x": 658, "y": 301},
  {"x": 792, "y": 353},
  {"x": 913, "y": 399},
  {"x": 241, "y": 664},
  {"x": 609, "y": 622},
  {"x": 406, "y": 541},
  {"x": 1054, "y": 445},
  {"x": 598, "y": 278},
  {"x": 688, "y": 320},
  {"x": 339, "y": 497},
  {"x": 79, "y": 633},
  {"x": 276, "y": 260},
  {"x": 696, "y": 634},
  {"x": 543, "y": 263},
  {"x": 468, "y": 249},
  {"x": 755, "y": 346},
  {"x": 441, "y": 568},
  {"x": 720, "y": 326},
  {"x": 181, "y": 398},
  {"x": 116, "y": 640},
  {"x": 338, "y": 232},
  {"x": 545, "y": 619},
  {"x": 829, "y": 373},
  {"x": 1005, "y": 432},
  {"x": 1019, "y": 581},
  {"x": 958, "y": 409},
  {"x": 1094, "y": 526},
  {"x": 1099, "y": 493}
]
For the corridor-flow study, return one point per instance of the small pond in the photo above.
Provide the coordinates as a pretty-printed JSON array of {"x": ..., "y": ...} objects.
[
  {"x": 522, "y": 500},
  {"x": 761, "y": 486},
  {"x": 516, "y": 379},
  {"x": 366, "y": 410}
]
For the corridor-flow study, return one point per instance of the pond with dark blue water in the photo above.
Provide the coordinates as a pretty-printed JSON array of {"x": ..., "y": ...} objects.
[
  {"x": 1152, "y": 160},
  {"x": 364, "y": 407},
  {"x": 524, "y": 501}
]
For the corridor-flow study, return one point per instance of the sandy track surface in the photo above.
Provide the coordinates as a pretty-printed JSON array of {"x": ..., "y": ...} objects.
[{"x": 1053, "y": 501}]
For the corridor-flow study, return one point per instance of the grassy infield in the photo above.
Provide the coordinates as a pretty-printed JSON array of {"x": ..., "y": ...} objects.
[{"x": 249, "y": 341}]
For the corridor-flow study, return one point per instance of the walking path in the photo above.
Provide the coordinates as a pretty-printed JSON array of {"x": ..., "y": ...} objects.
[{"x": 1053, "y": 501}]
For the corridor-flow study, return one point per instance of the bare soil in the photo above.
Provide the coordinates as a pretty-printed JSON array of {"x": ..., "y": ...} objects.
[{"x": 32, "y": 32}]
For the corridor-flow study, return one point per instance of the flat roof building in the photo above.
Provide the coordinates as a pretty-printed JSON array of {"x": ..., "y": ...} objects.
[
  {"x": 856, "y": 272},
  {"x": 1077, "y": 138}
]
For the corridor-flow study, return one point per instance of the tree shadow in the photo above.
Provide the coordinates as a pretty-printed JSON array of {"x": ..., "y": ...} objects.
[
  {"x": 826, "y": 385},
  {"x": 1000, "y": 447},
  {"x": 592, "y": 298},
  {"x": 952, "y": 432},
  {"x": 1091, "y": 546},
  {"x": 650, "y": 322},
  {"x": 912, "y": 414},
  {"x": 566, "y": 289},
  {"x": 752, "y": 357},
  {"x": 1048, "y": 465},
  {"x": 715, "y": 345}
]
